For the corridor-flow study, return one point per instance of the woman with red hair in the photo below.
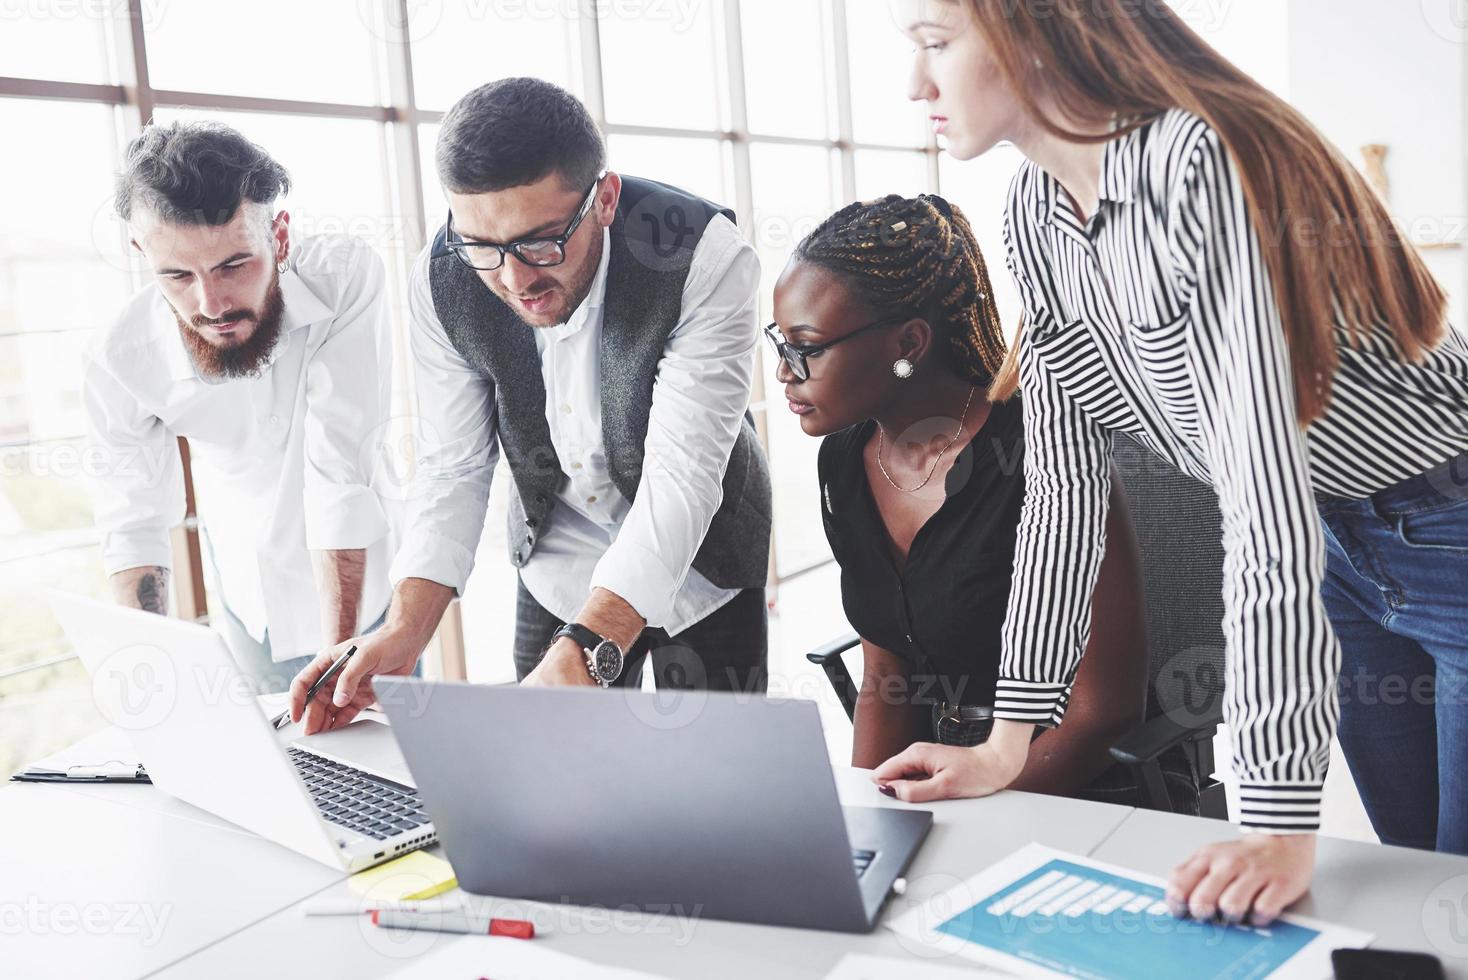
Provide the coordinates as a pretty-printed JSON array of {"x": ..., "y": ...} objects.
[{"x": 1202, "y": 270}]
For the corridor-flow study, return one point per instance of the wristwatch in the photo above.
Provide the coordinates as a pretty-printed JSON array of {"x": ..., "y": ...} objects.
[{"x": 603, "y": 657}]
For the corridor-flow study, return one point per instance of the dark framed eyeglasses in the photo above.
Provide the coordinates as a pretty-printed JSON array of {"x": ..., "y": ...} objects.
[
  {"x": 796, "y": 356},
  {"x": 532, "y": 251}
]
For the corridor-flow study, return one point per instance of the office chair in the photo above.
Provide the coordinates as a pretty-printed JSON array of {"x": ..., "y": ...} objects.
[{"x": 1179, "y": 533}]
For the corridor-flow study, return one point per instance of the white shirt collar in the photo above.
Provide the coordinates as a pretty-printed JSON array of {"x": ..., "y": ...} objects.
[{"x": 302, "y": 307}]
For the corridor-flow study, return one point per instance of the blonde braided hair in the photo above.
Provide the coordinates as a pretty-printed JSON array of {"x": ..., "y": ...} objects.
[{"x": 918, "y": 255}]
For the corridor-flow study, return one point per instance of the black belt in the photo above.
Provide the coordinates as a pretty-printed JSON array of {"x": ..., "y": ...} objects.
[{"x": 964, "y": 712}]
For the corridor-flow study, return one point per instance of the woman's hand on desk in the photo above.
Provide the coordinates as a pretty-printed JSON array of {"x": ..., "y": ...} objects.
[
  {"x": 1254, "y": 877},
  {"x": 928, "y": 771},
  {"x": 340, "y": 700}
]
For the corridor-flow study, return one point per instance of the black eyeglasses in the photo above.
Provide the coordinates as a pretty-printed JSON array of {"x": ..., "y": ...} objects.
[
  {"x": 532, "y": 251},
  {"x": 795, "y": 357}
]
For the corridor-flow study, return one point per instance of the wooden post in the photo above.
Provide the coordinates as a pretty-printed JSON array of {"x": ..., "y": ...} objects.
[{"x": 188, "y": 558}]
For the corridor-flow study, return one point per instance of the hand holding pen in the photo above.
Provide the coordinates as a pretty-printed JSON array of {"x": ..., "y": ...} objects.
[
  {"x": 330, "y": 675},
  {"x": 383, "y": 651}
]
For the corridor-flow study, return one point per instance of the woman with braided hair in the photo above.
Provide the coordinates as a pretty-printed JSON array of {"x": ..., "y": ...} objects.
[
  {"x": 888, "y": 340},
  {"x": 1203, "y": 271}
]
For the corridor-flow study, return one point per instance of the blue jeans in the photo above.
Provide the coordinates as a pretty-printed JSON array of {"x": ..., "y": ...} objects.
[{"x": 1396, "y": 591}]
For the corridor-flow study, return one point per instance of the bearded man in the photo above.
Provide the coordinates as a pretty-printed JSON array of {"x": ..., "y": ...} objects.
[{"x": 272, "y": 358}]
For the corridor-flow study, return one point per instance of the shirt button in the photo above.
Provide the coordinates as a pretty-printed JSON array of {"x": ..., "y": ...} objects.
[
  {"x": 591, "y": 499},
  {"x": 566, "y": 409},
  {"x": 575, "y": 466}
]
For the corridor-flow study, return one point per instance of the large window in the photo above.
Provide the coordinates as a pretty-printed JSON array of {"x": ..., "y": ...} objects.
[
  {"x": 62, "y": 272},
  {"x": 781, "y": 109}
]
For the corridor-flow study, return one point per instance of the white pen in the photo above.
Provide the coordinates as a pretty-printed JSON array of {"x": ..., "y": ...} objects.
[
  {"x": 357, "y": 906},
  {"x": 461, "y": 921}
]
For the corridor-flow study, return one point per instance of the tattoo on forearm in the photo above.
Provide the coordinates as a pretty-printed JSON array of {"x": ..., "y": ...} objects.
[{"x": 152, "y": 591}]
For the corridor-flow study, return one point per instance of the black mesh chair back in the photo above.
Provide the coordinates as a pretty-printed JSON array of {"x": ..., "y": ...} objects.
[{"x": 1179, "y": 531}]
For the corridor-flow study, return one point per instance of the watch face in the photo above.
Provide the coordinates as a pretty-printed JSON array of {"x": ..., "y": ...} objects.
[{"x": 607, "y": 659}]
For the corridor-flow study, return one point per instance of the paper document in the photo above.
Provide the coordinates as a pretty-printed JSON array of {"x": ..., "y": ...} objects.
[{"x": 1042, "y": 912}]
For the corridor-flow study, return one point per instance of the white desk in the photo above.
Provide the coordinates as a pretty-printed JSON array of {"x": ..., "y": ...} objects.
[
  {"x": 966, "y": 835},
  {"x": 1411, "y": 900},
  {"x": 91, "y": 888},
  {"x": 233, "y": 901},
  {"x": 224, "y": 903}
]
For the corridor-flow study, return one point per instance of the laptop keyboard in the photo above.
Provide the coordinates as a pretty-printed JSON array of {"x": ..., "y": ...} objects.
[
  {"x": 380, "y": 808},
  {"x": 375, "y": 807}
]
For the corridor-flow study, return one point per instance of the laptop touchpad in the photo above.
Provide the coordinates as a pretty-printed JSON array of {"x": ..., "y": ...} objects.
[{"x": 365, "y": 743}]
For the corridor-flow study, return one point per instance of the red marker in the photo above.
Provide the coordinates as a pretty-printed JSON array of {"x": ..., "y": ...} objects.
[{"x": 479, "y": 925}]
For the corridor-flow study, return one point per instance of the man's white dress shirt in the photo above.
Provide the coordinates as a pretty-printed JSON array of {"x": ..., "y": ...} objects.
[
  {"x": 642, "y": 550},
  {"x": 283, "y": 463}
]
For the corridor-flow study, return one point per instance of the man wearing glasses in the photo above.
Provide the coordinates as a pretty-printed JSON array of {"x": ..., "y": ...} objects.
[{"x": 599, "y": 331}]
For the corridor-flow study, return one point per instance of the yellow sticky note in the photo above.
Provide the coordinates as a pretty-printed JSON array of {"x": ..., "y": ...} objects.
[{"x": 411, "y": 877}]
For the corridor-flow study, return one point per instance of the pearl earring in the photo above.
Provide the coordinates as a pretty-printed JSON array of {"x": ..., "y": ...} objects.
[{"x": 902, "y": 367}]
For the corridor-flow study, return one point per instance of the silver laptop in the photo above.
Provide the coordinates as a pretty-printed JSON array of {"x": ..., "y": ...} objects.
[
  {"x": 338, "y": 797},
  {"x": 706, "y": 804}
]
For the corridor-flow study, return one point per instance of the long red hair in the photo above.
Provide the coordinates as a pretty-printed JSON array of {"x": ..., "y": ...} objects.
[{"x": 1136, "y": 59}]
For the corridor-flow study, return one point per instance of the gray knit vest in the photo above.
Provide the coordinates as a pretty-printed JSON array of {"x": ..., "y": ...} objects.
[{"x": 652, "y": 239}]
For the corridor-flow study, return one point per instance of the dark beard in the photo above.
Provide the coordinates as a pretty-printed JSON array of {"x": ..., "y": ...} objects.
[
  {"x": 242, "y": 360},
  {"x": 577, "y": 291}
]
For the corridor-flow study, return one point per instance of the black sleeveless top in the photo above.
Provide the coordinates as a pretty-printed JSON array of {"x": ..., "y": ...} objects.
[{"x": 943, "y": 611}]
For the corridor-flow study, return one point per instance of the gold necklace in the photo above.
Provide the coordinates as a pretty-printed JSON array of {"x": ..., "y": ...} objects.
[{"x": 881, "y": 443}]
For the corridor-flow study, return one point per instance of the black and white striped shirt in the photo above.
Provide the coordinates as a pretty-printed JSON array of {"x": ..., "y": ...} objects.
[{"x": 1156, "y": 317}]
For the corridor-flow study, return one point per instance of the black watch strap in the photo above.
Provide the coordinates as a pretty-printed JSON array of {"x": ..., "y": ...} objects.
[{"x": 585, "y": 637}]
